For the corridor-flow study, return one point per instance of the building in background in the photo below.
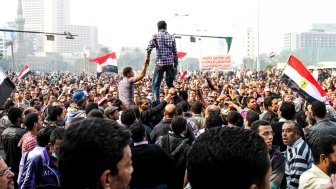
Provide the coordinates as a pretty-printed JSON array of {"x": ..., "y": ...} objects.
[
  {"x": 319, "y": 43},
  {"x": 54, "y": 16}
]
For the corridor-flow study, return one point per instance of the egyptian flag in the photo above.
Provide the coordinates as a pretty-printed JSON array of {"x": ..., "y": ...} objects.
[
  {"x": 181, "y": 54},
  {"x": 298, "y": 78},
  {"x": 24, "y": 72},
  {"x": 108, "y": 62},
  {"x": 183, "y": 75},
  {"x": 6, "y": 87}
]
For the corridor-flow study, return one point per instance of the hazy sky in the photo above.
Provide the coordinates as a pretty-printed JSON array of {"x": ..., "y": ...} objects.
[{"x": 132, "y": 22}]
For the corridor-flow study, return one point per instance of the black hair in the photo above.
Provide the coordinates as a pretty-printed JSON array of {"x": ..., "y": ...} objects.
[
  {"x": 214, "y": 120},
  {"x": 319, "y": 109},
  {"x": 96, "y": 113},
  {"x": 117, "y": 103},
  {"x": 268, "y": 101},
  {"x": 214, "y": 159},
  {"x": 137, "y": 131},
  {"x": 57, "y": 133},
  {"x": 323, "y": 145},
  {"x": 183, "y": 95},
  {"x": 162, "y": 25},
  {"x": 127, "y": 117},
  {"x": 14, "y": 114},
  {"x": 126, "y": 71},
  {"x": 184, "y": 104},
  {"x": 90, "y": 106},
  {"x": 235, "y": 118},
  {"x": 178, "y": 124},
  {"x": 30, "y": 119},
  {"x": 54, "y": 112},
  {"x": 251, "y": 116},
  {"x": 136, "y": 110},
  {"x": 196, "y": 107},
  {"x": 43, "y": 136},
  {"x": 98, "y": 141},
  {"x": 255, "y": 125},
  {"x": 287, "y": 110}
]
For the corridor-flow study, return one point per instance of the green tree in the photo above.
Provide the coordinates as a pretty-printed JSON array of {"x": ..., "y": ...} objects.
[
  {"x": 104, "y": 50},
  {"x": 248, "y": 62}
]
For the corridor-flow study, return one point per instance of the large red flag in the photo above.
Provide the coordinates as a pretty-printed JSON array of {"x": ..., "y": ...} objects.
[
  {"x": 298, "y": 78},
  {"x": 108, "y": 61}
]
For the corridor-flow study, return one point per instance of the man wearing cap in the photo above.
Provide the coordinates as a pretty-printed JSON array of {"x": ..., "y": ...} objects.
[
  {"x": 112, "y": 113},
  {"x": 166, "y": 58},
  {"x": 77, "y": 108}
]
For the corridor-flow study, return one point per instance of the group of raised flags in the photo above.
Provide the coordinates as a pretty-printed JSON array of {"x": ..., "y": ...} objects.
[{"x": 295, "y": 75}]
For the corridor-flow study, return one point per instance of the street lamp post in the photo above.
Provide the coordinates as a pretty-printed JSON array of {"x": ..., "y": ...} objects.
[{"x": 180, "y": 20}]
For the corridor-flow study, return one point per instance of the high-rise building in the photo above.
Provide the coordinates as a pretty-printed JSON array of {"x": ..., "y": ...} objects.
[
  {"x": 245, "y": 43},
  {"x": 320, "y": 36},
  {"x": 54, "y": 16}
]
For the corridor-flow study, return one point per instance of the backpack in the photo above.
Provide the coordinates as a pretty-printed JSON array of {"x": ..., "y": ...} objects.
[{"x": 179, "y": 153}]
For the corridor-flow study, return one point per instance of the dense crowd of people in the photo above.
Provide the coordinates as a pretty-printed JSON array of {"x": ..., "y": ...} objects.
[{"x": 242, "y": 129}]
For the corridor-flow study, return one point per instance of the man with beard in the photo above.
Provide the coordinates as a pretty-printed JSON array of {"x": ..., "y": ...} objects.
[{"x": 324, "y": 154}]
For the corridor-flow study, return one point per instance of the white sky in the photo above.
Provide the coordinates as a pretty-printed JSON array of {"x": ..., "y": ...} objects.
[{"x": 132, "y": 22}]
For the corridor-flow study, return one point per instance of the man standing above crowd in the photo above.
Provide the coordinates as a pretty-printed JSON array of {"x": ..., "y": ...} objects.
[
  {"x": 126, "y": 85},
  {"x": 166, "y": 58}
]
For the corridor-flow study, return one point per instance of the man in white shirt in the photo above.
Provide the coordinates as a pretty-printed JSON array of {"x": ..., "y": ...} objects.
[{"x": 324, "y": 154}]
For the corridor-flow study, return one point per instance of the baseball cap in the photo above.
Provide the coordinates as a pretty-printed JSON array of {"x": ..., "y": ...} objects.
[
  {"x": 109, "y": 110},
  {"x": 79, "y": 96}
]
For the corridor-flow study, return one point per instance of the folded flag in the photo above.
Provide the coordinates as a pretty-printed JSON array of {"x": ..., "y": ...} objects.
[
  {"x": 108, "y": 62},
  {"x": 6, "y": 87},
  {"x": 24, "y": 72},
  {"x": 181, "y": 54},
  {"x": 298, "y": 78}
]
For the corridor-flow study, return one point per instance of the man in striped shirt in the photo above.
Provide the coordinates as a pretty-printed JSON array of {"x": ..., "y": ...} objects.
[
  {"x": 298, "y": 154},
  {"x": 33, "y": 123}
]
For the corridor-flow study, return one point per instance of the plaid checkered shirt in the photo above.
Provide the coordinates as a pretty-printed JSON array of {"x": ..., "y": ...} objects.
[{"x": 165, "y": 45}]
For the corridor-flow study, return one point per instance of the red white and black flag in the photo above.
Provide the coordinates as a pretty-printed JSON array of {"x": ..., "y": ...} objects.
[
  {"x": 6, "y": 87},
  {"x": 108, "y": 62},
  {"x": 24, "y": 72},
  {"x": 298, "y": 78}
]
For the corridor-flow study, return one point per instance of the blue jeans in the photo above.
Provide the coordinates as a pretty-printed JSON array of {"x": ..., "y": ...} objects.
[{"x": 158, "y": 76}]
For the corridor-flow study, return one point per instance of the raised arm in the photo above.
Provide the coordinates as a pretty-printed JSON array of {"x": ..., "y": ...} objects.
[{"x": 144, "y": 68}]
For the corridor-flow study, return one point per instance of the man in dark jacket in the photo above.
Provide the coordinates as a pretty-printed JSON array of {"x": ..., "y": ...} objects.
[
  {"x": 177, "y": 146},
  {"x": 147, "y": 113},
  {"x": 323, "y": 125},
  {"x": 152, "y": 165},
  {"x": 11, "y": 137},
  {"x": 264, "y": 129},
  {"x": 164, "y": 126},
  {"x": 272, "y": 108}
]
